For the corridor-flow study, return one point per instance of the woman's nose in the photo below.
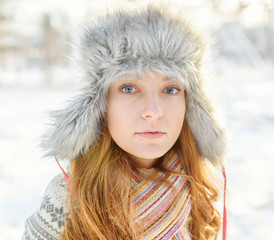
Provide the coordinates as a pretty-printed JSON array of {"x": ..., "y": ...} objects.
[{"x": 152, "y": 108}]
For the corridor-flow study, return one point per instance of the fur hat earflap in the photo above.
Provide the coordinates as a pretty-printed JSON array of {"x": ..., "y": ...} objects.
[{"x": 128, "y": 42}]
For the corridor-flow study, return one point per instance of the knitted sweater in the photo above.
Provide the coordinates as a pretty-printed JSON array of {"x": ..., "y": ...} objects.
[
  {"x": 49, "y": 219},
  {"x": 162, "y": 208}
]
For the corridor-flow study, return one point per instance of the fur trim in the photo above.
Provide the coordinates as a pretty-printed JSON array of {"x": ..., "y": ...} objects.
[{"x": 128, "y": 43}]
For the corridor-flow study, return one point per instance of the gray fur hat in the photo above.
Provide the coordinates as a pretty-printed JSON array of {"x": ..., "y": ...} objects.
[{"x": 126, "y": 43}]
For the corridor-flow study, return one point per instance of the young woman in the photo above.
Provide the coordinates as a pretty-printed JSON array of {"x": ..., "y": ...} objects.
[{"x": 140, "y": 137}]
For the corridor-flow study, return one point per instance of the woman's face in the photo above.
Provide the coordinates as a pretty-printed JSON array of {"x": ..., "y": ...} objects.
[{"x": 145, "y": 116}]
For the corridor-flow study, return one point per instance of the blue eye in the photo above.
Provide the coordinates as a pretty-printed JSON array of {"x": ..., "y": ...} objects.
[
  {"x": 171, "y": 90},
  {"x": 128, "y": 89}
]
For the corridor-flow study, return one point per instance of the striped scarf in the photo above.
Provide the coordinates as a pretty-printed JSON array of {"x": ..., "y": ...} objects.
[{"x": 162, "y": 203}]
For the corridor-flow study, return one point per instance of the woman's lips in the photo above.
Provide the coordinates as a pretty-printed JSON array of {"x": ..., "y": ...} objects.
[{"x": 150, "y": 135}]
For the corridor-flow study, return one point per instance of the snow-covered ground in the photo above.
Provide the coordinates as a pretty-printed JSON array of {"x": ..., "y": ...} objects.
[{"x": 248, "y": 99}]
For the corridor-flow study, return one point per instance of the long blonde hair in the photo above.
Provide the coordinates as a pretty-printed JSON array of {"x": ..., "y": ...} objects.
[{"x": 101, "y": 180}]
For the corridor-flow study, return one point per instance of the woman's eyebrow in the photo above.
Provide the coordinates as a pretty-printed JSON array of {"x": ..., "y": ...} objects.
[
  {"x": 170, "y": 79},
  {"x": 140, "y": 78}
]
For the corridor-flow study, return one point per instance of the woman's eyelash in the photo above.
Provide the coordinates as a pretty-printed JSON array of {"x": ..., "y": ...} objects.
[
  {"x": 175, "y": 87},
  {"x": 131, "y": 88},
  {"x": 171, "y": 88},
  {"x": 128, "y": 88}
]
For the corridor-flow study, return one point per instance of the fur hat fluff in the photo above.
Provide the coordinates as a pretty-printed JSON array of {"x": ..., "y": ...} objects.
[{"x": 127, "y": 43}]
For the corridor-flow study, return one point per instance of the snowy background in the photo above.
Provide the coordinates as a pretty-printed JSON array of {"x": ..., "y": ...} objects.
[{"x": 32, "y": 83}]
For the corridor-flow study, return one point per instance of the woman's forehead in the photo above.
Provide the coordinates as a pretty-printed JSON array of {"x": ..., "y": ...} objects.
[{"x": 145, "y": 76}]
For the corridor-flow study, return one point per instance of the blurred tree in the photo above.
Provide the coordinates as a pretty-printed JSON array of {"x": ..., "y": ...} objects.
[
  {"x": 48, "y": 42},
  {"x": 269, "y": 9},
  {"x": 242, "y": 5},
  {"x": 4, "y": 19},
  {"x": 53, "y": 47},
  {"x": 215, "y": 5},
  {"x": 269, "y": 29}
]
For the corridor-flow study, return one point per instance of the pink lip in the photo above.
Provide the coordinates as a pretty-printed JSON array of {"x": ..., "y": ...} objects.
[{"x": 151, "y": 134}]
